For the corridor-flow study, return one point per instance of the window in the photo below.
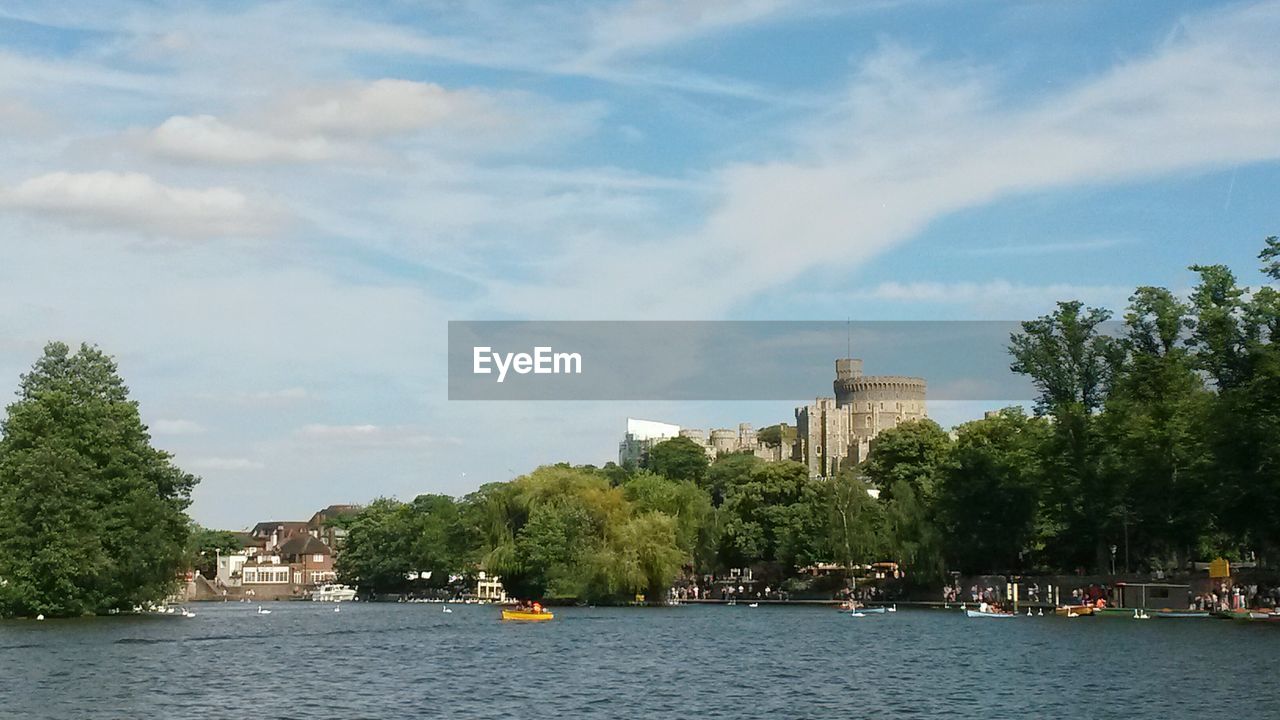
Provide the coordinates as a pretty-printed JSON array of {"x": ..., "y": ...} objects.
[{"x": 317, "y": 558}]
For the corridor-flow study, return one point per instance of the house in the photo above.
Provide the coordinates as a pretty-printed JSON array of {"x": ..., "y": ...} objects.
[
  {"x": 309, "y": 559},
  {"x": 322, "y": 525},
  {"x": 272, "y": 533}
]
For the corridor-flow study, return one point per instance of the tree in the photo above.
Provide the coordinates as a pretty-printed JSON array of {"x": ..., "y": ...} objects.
[
  {"x": 205, "y": 545},
  {"x": 1152, "y": 429},
  {"x": 839, "y": 523},
  {"x": 989, "y": 500},
  {"x": 679, "y": 459},
  {"x": 1071, "y": 363},
  {"x": 92, "y": 517},
  {"x": 912, "y": 452},
  {"x": 757, "y": 514}
]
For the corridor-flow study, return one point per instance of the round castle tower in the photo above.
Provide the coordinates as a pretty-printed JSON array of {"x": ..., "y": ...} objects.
[{"x": 877, "y": 402}]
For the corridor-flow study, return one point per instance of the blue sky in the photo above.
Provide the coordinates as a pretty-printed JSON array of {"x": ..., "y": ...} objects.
[{"x": 269, "y": 212}]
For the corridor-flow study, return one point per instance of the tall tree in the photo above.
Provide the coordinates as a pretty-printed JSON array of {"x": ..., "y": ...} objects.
[
  {"x": 92, "y": 517},
  {"x": 989, "y": 501},
  {"x": 1071, "y": 362},
  {"x": 1155, "y": 454}
]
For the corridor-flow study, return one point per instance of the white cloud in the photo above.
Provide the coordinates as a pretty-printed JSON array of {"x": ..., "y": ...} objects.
[
  {"x": 347, "y": 121},
  {"x": 372, "y": 436},
  {"x": 387, "y": 106},
  {"x": 176, "y": 427},
  {"x": 221, "y": 464},
  {"x": 137, "y": 202},
  {"x": 207, "y": 139}
]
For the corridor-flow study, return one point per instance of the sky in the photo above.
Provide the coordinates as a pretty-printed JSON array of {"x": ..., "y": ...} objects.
[{"x": 268, "y": 213}]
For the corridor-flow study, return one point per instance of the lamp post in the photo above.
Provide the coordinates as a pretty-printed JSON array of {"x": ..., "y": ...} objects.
[{"x": 1113, "y": 559}]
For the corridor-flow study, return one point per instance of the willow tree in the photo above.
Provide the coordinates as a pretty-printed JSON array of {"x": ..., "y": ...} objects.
[{"x": 92, "y": 517}]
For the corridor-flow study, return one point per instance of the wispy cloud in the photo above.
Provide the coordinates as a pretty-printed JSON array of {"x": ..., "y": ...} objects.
[
  {"x": 222, "y": 464},
  {"x": 176, "y": 427},
  {"x": 372, "y": 436},
  {"x": 137, "y": 202}
]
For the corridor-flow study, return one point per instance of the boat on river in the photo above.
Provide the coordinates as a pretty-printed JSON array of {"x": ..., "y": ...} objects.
[
  {"x": 333, "y": 593},
  {"x": 527, "y": 615},
  {"x": 986, "y": 614},
  {"x": 1266, "y": 616}
]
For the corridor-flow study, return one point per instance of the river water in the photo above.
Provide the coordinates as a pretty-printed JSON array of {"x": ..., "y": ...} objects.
[{"x": 403, "y": 661}]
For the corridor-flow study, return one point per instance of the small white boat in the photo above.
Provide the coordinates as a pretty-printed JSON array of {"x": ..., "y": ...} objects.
[
  {"x": 872, "y": 610},
  {"x": 333, "y": 593},
  {"x": 986, "y": 614}
]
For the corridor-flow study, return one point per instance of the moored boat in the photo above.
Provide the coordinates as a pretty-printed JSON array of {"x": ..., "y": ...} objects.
[{"x": 986, "y": 614}]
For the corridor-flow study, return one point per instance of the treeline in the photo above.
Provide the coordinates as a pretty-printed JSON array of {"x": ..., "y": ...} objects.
[{"x": 1155, "y": 440}]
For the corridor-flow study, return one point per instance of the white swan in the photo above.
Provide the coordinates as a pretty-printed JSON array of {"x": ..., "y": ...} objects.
[
  {"x": 337, "y": 609},
  {"x": 857, "y": 614},
  {"x": 893, "y": 609},
  {"x": 754, "y": 605},
  {"x": 446, "y": 609},
  {"x": 263, "y": 612}
]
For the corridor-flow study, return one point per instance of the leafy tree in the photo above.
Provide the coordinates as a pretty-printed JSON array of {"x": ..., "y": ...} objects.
[
  {"x": 1155, "y": 454},
  {"x": 205, "y": 545},
  {"x": 91, "y": 515},
  {"x": 686, "y": 503},
  {"x": 913, "y": 452},
  {"x": 679, "y": 459},
  {"x": 727, "y": 473},
  {"x": 1072, "y": 364},
  {"x": 838, "y": 522},
  {"x": 989, "y": 500},
  {"x": 757, "y": 514}
]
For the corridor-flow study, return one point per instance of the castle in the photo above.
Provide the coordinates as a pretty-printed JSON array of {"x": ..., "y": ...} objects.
[{"x": 831, "y": 432}]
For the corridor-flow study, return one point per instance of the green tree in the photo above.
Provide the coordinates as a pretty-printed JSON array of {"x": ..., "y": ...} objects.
[
  {"x": 989, "y": 500},
  {"x": 679, "y": 459},
  {"x": 92, "y": 517},
  {"x": 1155, "y": 454},
  {"x": 913, "y": 452},
  {"x": 205, "y": 545},
  {"x": 1072, "y": 362}
]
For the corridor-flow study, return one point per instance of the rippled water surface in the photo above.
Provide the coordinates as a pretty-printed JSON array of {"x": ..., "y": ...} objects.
[{"x": 392, "y": 661}]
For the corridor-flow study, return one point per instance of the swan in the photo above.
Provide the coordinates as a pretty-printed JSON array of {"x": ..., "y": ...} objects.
[
  {"x": 1041, "y": 613},
  {"x": 754, "y": 605},
  {"x": 40, "y": 616},
  {"x": 263, "y": 612},
  {"x": 857, "y": 614},
  {"x": 893, "y": 609},
  {"x": 1028, "y": 612},
  {"x": 337, "y": 609},
  {"x": 446, "y": 609}
]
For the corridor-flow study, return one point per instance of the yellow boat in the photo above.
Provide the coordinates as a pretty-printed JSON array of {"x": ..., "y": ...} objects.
[{"x": 527, "y": 615}]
